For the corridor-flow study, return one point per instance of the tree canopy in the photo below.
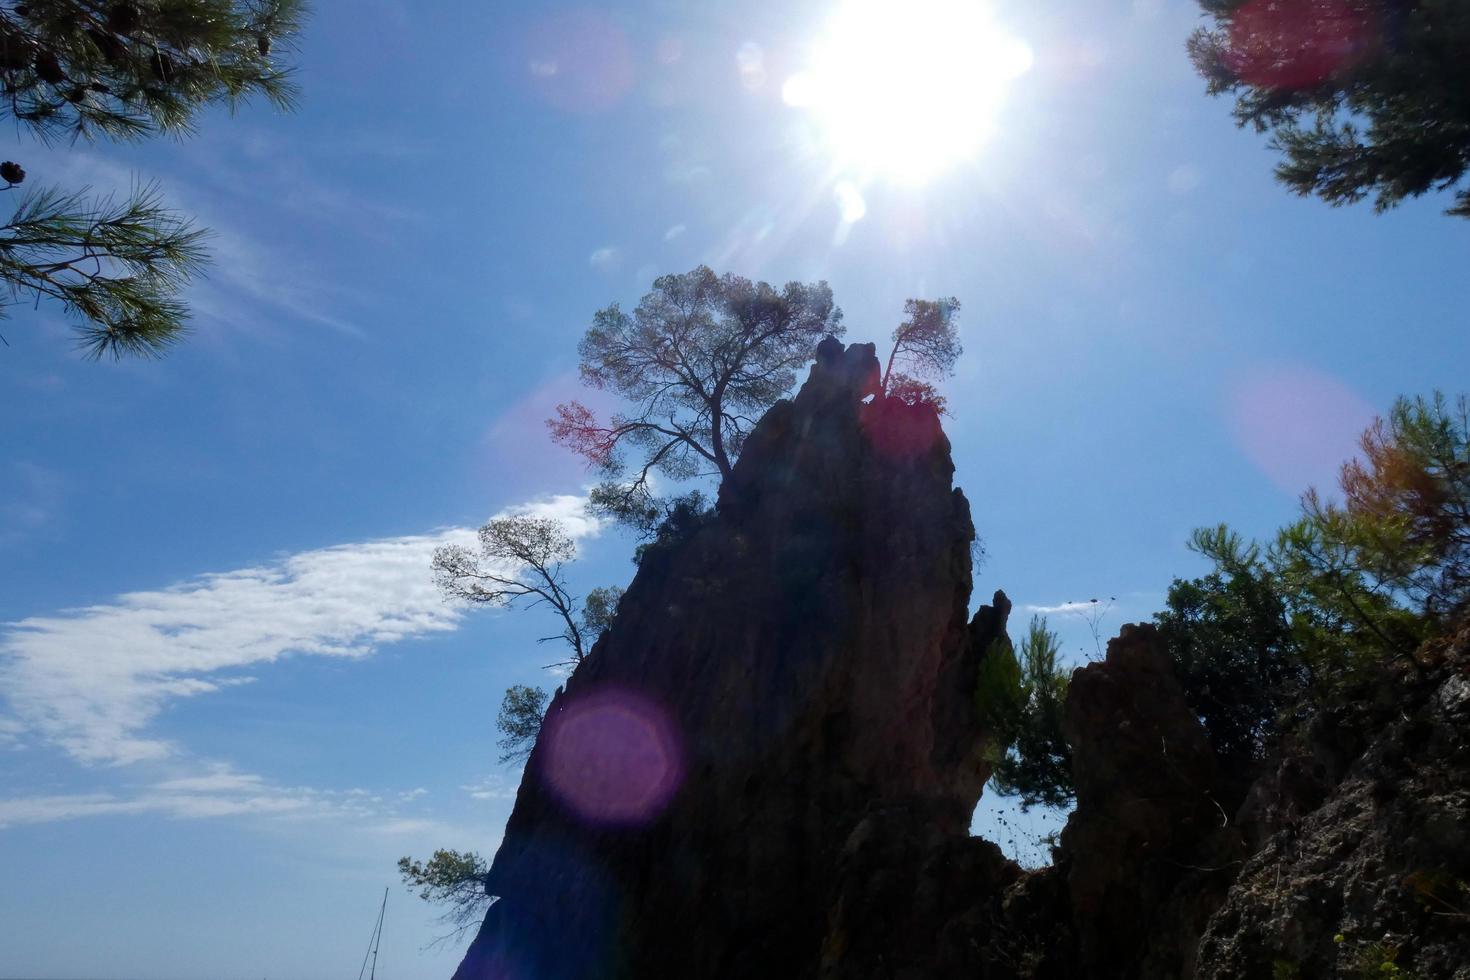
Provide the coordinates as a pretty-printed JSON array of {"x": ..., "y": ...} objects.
[
  {"x": 519, "y": 721},
  {"x": 1022, "y": 701},
  {"x": 523, "y": 559},
  {"x": 1348, "y": 587},
  {"x": 520, "y": 558},
  {"x": 124, "y": 69},
  {"x": 699, "y": 359},
  {"x": 453, "y": 879},
  {"x": 926, "y": 346},
  {"x": 1362, "y": 97}
]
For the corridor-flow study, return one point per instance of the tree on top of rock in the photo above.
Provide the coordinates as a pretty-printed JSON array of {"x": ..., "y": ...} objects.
[
  {"x": 925, "y": 348},
  {"x": 700, "y": 359}
]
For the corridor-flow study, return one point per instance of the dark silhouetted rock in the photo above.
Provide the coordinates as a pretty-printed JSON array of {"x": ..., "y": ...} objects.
[
  {"x": 1148, "y": 853},
  {"x": 776, "y": 687},
  {"x": 1383, "y": 862}
]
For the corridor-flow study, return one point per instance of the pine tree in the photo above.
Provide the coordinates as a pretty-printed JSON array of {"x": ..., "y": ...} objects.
[
  {"x": 1361, "y": 97},
  {"x": 124, "y": 70}
]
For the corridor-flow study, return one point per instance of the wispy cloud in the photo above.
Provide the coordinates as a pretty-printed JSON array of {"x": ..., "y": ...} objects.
[
  {"x": 93, "y": 680},
  {"x": 1078, "y": 608},
  {"x": 496, "y": 786},
  {"x": 604, "y": 259},
  {"x": 215, "y": 792}
]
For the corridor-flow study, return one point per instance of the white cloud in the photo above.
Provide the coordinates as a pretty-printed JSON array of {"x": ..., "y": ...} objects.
[
  {"x": 1078, "y": 608},
  {"x": 493, "y": 787},
  {"x": 604, "y": 258},
  {"x": 674, "y": 232},
  {"x": 569, "y": 509},
  {"x": 218, "y": 791},
  {"x": 93, "y": 680}
]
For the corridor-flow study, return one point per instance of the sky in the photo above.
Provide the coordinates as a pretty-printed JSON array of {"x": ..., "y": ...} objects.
[{"x": 230, "y": 697}]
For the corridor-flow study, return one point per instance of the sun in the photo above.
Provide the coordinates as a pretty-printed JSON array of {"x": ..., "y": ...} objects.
[{"x": 905, "y": 90}]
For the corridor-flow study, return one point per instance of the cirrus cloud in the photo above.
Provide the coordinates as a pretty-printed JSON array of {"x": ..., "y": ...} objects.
[{"x": 92, "y": 680}]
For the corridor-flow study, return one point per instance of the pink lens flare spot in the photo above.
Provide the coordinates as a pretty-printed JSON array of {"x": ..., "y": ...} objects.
[
  {"x": 1298, "y": 426},
  {"x": 1298, "y": 43},
  {"x": 899, "y": 431},
  {"x": 580, "y": 61},
  {"x": 614, "y": 757}
]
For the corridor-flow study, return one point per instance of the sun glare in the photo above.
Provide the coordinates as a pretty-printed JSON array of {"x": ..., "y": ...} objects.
[{"x": 905, "y": 90}]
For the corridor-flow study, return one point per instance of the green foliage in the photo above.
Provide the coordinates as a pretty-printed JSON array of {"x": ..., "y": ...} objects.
[
  {"x": 117, "y": 268},
  {"x": 1371, "y": 577},
  {"x": 682, "y": 516},
  {"x": 124, "y": 69},
  {"x": 519, "y": 722},
  {"x": 701, "y": 357},
  {"x": 1342, "y": 590},
  {"x": 1405, "y": 520},
  {"x": 925, "y": 348},
  {"x": 1362, "y": 98},
  {"x": 452, "y": 879},
  {"x": 521, "y": 558},
  {"x": 134, "y": 68},
  {"x": 1000, "y": 692},
  {"x": 1375, "y": 961},
  {"x": 598, "y": 610},
  {"x": 1233, "y": 649},
  {"x": 1022, "y": 701}
]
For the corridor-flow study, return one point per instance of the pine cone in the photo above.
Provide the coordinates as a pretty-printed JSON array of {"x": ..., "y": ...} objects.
[
  {"x": 263, "y": 45},
  {"x": 123, "y": 18},
  {"x": 48, "y": 69},
  {"x": 112, "y": 49},
  {"x": 12, "y": 173}
]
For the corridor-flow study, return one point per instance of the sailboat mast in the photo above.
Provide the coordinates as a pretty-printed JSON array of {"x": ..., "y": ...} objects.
[{"x": 378, "y": 941}]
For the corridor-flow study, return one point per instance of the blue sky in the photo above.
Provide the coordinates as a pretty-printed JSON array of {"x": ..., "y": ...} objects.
[{"x": 229, "y": 696}]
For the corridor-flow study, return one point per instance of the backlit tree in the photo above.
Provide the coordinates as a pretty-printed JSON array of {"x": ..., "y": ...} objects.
[{"x": 128, "y": 70}]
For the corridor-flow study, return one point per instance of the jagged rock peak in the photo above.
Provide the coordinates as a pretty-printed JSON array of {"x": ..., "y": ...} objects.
[{"x": 800, "y": 661}]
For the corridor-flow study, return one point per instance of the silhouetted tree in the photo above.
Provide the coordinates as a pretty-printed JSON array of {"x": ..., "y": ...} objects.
[
  {"x": 926, "y": 346},
  {"x": 453, "y": 879},
  {"x": 123, "y": 69},
  {"x": 1342, "y": 590},
  {"x": 700, "y": 359},
  {"x": 1022, "y": 701},
  {"x": 520, "y": 558},
  {"x": 523, "y": 558},
  {"x": 519, "y": 721},
  {"x": 1230, "y": 640},
  {"x": 1361, "y": 97}
]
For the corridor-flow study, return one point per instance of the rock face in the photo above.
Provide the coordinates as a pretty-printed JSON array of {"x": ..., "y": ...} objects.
[
  {"x": 1365, "y": 859},
  {"x": 778, "y": 685},
  {"x": 767, "y": 767},
  {"x": 1149, "y": 852}
]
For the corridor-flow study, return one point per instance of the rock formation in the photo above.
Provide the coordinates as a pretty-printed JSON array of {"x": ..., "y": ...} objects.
[
  {"x": 790, "y": 672},
  {"x": 767, "y": 768}
]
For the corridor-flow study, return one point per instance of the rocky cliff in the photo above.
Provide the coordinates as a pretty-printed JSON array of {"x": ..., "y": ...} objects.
[
  {"x": 793, "y": 670},
  {"x": 767, "y": 768}
]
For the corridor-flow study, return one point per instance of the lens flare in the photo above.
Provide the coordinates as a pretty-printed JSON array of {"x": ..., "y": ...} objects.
[
  {"x": 614, "y": 757},
  {"x": 906, "y": 90}
]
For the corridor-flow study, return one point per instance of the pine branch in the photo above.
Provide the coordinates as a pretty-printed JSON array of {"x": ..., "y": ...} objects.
[{"x": 117, "y": 268}]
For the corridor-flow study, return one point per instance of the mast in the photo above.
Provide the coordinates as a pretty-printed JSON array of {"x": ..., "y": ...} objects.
[
  {"x": 379, "y": 941},
  {"x": 374, "y": 941}
]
